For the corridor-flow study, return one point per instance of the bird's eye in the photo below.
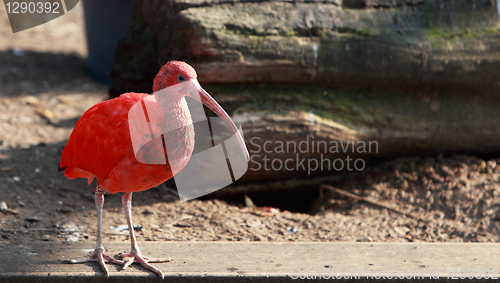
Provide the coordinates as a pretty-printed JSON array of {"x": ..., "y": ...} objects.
[{"x": 181, "y": 78}]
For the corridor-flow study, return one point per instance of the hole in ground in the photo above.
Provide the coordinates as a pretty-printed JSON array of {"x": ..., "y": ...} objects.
[
  {"x": 299, "y": 199},
  {"x": 292, "y": 200}
]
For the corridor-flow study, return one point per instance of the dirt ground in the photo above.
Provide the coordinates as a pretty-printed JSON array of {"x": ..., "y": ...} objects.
[{"x": 43, "y": 91}]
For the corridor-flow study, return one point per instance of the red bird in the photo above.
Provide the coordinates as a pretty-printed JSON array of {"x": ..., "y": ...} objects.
[{"x": 100, "y": 147}]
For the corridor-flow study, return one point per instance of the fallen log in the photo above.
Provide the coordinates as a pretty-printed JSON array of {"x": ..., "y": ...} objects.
[
  {"x": 326, "y": 86},
  {"x": 322, "y": 130}
]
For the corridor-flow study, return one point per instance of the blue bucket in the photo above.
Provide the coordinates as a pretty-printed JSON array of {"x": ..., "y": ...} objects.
[{"x": 106, "y": 22}]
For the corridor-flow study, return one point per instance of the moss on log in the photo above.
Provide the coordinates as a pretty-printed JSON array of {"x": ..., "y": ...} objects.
[{"x": 312, "y": 124}]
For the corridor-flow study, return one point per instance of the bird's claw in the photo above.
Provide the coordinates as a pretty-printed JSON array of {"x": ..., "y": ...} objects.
[
  {"x": 144, "y": 261},
  {"x": 98, "y": 256}
]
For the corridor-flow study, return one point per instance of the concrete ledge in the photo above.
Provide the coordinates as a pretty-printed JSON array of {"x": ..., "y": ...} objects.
[{"x": 257, "y": 262}]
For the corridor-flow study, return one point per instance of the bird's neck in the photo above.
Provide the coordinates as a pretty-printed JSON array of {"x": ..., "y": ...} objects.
[
  {"x": 175, "y": 111},
  {"x": 178, "y": 131}
]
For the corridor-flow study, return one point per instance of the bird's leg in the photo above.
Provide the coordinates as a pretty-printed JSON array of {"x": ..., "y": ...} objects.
[
  {"x": 135, "y": 254},
  {"x": 98, "y": 255}
]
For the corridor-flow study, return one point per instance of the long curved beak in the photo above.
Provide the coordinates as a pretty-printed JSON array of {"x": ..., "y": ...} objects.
[{"x": 209, "y": 102}]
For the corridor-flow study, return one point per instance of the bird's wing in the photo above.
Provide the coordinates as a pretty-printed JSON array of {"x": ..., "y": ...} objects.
[{"x": 100, "y": 140}]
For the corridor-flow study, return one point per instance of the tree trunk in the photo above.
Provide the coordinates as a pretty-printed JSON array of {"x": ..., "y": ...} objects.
[{"x": 368, "y": 78}]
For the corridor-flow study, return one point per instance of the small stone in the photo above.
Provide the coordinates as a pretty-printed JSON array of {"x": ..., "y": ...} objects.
[
  {"x": 16, "y": 51},
  {"x": 71, "y": 227},
  {"x": 291, "y": 230},
  {"x": 399, "y": 231},
  {"x": 258, "y": 238},
  {"x": 65, "y": 210},
  {"x": 365, "y": 240},
  {"x": 443, "y": 237},
  {"x": 21, "y": 203},
  {"x": 47, "y": 114},
  {"x": 119, "y": 228},
  {"x": 46, "y": 238},
  {"x": 409, "y": 238},
  {"x": 4, "y": 208},
  {"x": 16, "y": 179},
  {"x": 404, "y": 229},
  {"x": 33, "y": 219},
  {"x": 31, "y": 100},
  {"x": 25, "y": 146},
  {"x": 183, "y": 224},
  {"x": 72, "y": 239},
  {"x": 37, "y": 170}
]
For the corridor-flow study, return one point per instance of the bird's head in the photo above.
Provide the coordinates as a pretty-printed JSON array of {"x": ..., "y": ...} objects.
[
  {"x": 172, "y": 73},
  {"x": 176, "y": 72}
]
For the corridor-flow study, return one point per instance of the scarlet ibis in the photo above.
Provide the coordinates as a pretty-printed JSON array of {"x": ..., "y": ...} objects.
[{"x": 100, "y": 147}]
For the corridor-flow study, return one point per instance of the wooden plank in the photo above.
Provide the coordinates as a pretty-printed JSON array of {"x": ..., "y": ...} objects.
[{"x": 254, "y": 261}]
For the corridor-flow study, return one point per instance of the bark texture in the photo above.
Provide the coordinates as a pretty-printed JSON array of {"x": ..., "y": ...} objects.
[{"x": 424, "y": 74}]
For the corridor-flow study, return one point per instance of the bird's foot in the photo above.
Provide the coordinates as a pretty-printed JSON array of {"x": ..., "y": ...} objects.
[
  {"x": 98, "y": 256},
  {"x": 144, "y": 261}
]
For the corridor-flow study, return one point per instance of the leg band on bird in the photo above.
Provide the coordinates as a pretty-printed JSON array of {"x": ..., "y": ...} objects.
[{"x": 98, "y": 191}]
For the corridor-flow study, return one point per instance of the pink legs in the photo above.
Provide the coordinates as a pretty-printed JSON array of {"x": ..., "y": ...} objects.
[
  {"x": 135, "y": 254},
  {"x": 98, "y": 255}
]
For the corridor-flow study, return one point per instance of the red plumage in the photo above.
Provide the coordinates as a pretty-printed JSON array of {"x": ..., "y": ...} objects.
[{"x": 100, "y": 146}]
